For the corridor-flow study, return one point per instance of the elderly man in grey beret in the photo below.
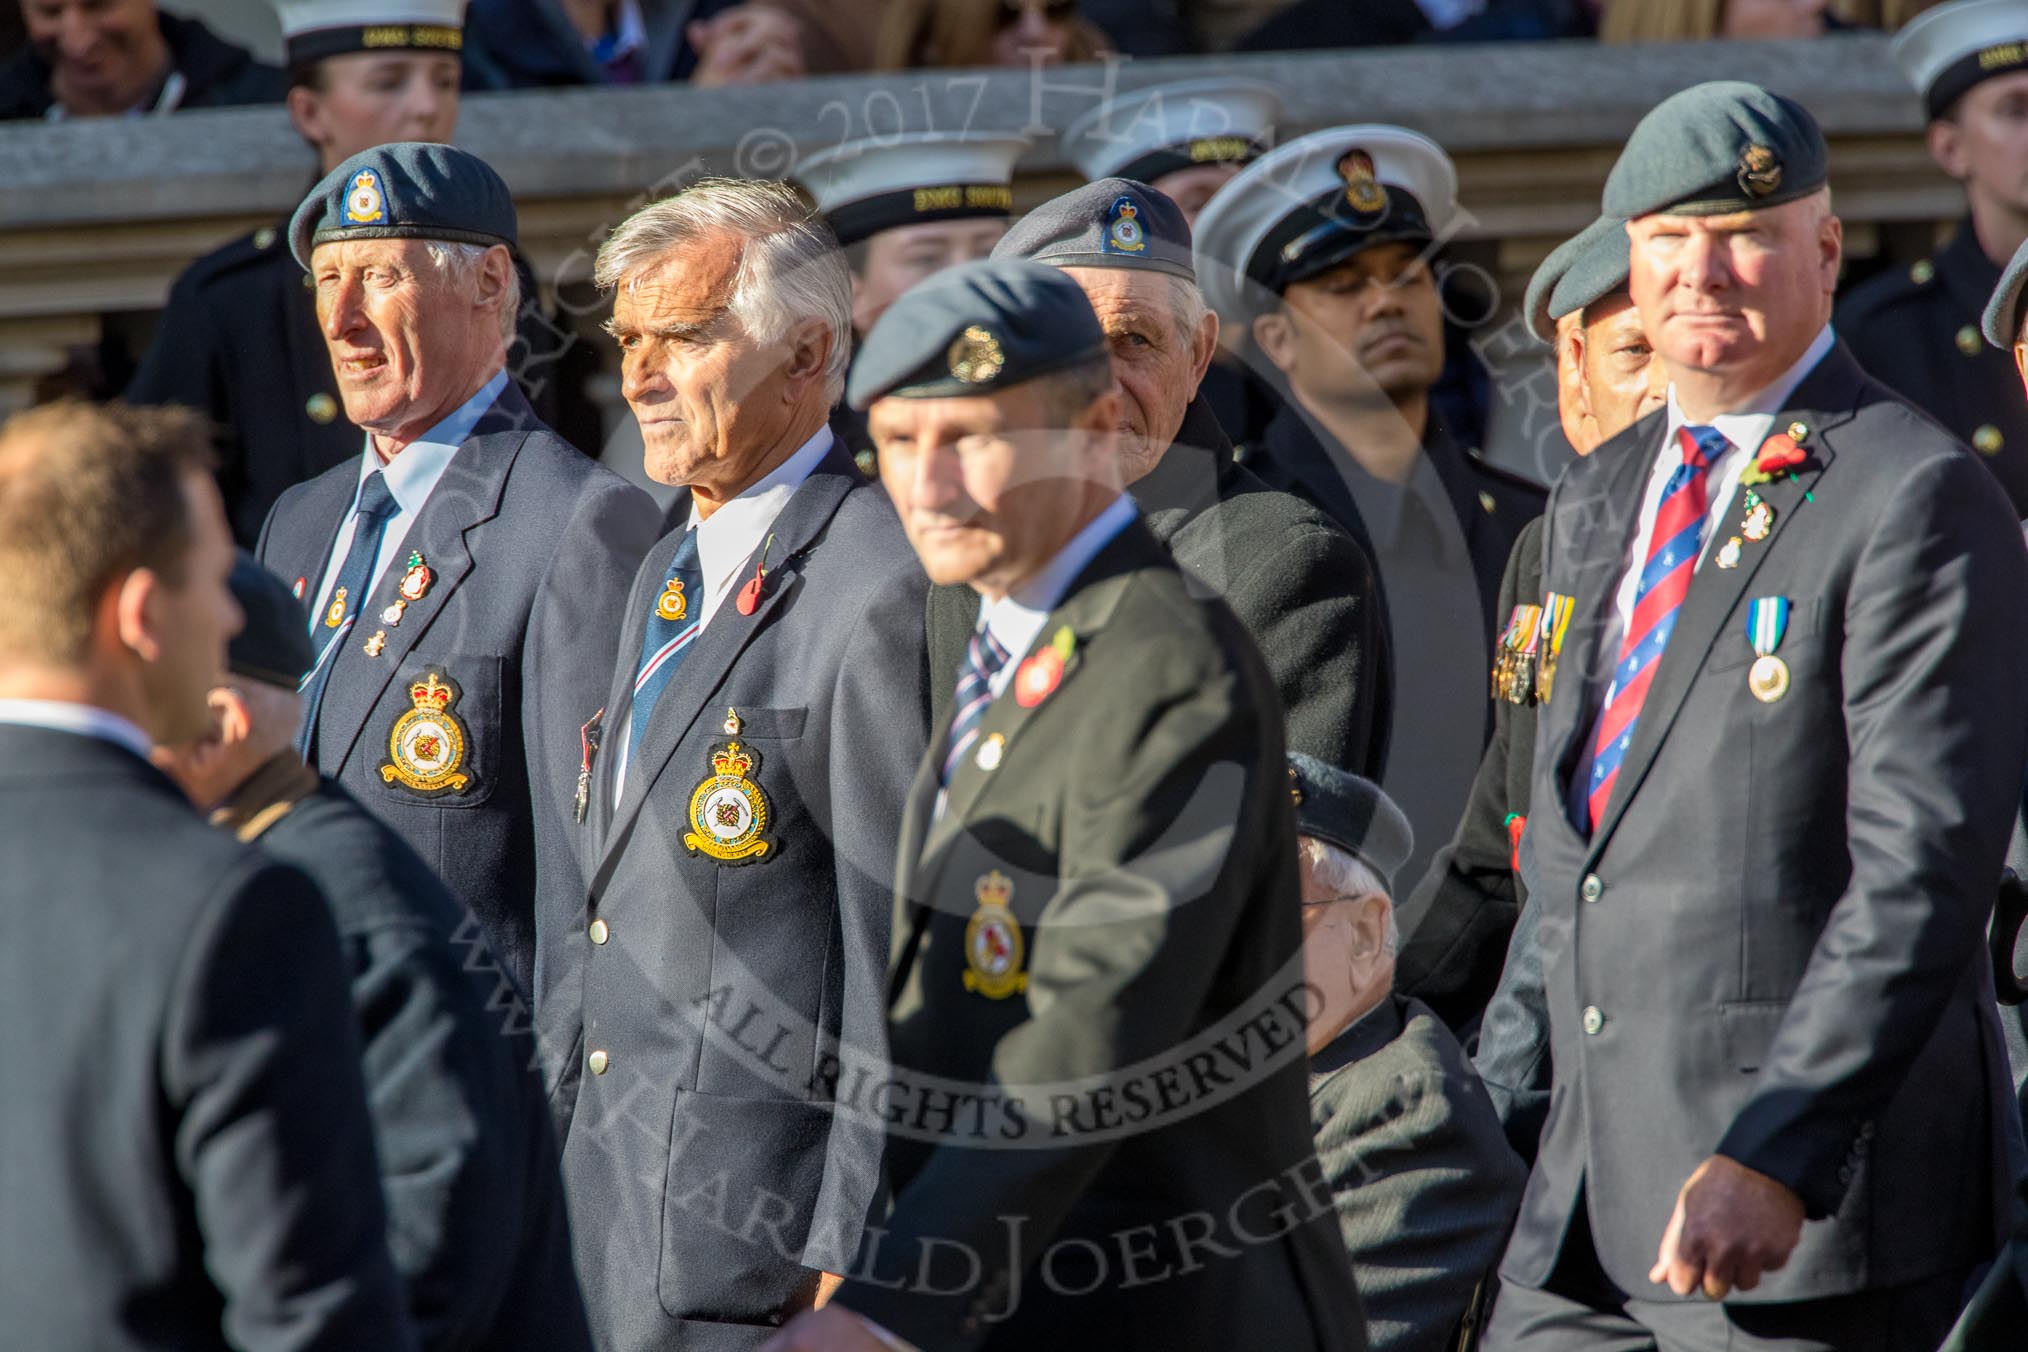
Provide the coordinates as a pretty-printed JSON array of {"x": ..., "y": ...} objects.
[
  {"x": 1774, "y": 774},
  {"x": 1404, "y": 1131},
  {"x": 1301, "y": 585}
]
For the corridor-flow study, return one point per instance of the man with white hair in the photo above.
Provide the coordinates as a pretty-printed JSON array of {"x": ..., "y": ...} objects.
[
  {"x": 727, "y": 955},
  {"x": 1405, "y": 1132},
  {"x": 464, "y": 574}
]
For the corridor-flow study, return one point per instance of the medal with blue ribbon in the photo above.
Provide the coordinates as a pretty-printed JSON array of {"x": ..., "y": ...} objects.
[{"x": 1767, "y": 621}]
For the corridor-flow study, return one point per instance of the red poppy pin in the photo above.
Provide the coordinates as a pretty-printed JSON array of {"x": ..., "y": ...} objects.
[
  {"x": 1780, "y": 454},
  {"x": 1043, "y": 672}
]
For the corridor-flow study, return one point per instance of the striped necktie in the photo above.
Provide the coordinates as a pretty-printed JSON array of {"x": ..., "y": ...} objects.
[
  {"x": 984, "y": 657},
  {"x": 1673, "y": 549},
  {"x": 349, "y": 591},
  {"x": 672, "y": 627}
]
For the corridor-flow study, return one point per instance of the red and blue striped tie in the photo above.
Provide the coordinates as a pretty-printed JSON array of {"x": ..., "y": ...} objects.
[
  {"x": 984, "y": 657},
  {"x": 1673, "y": 549}
]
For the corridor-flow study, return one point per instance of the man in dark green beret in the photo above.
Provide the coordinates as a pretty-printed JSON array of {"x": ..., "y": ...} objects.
[
  {"x": 1777, "y": 759},
  {"x": 1098, "y": 865}
]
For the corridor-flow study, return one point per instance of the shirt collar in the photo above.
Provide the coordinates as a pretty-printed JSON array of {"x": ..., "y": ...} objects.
[
  {"x": 414, "y": 473},
  {"x": 731, "y": 534},
  {"x": 85, "y": 720},
  {"x": 1748, "y": 425},
  {"x": 1017, "y": 618}
]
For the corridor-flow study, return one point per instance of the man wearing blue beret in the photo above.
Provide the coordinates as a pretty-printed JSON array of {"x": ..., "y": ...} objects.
[
  {"x": 465, "y": 572},
  {"x": 1097, "y": 875},
  {"x": 1776, "y": 763}
]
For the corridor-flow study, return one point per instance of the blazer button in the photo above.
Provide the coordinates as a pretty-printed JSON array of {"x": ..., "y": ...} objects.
[
  {"x": 1593, "y": 1020},
  {"x": 598, "y": 1061},
  {"x": 1591, "y": 889},
  {"x": 599, "y": 932}
]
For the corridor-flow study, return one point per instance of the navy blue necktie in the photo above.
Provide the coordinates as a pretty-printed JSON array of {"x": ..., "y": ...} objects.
[
  {"x": 673, "y": 625},
  {"x": 348, "y": 597}
]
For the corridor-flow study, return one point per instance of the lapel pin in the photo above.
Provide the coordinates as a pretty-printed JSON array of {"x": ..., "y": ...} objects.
[
  {"x": 415, "y": 583},
  {"x": 1760, "y": 518},
  {"x": 1728, "y": 554},
  {"x": 334, "y": 614},
  {"x": 733, "y": 723},
  {"x": 991, "y": 750},
  {"x": 750, "y": 594},
  {"x": 301, "y": 583},
  {"x": 392, "y": 615},
  {"x": 377, "y": 645}
]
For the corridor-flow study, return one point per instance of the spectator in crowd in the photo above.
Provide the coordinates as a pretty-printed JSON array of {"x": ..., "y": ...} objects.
[
  {"x": 518, "y": 44},
  {"x": 1424, "y": 1184},
  {"x": 239, "y": 339},
  {"x": 1887, "y": 14},
  {"x": 1459, "y": 916},
  {"x": 1693, "y": 20},
  {"x": 467, "y": 1162},
  {"x": 1917, "y": 328},
  {"x": 1323, "y": 251},
  {"x": 189, "y": 1159},
  {"x": 466, "y": 568},
  {"x": 107, "y": 58},
  {"x": 1313, "y": 24},
  {"x": 935, "y": 34}
]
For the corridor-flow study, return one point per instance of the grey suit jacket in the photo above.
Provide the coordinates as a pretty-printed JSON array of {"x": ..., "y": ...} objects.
[
  {"x": 1772, "y": 946},
  {"x": 533, "y": 547},
  {"x": 185, "y": 1154},
  {"x": 722, "y": 989},
  {"x": 1424, "y": 1181}
]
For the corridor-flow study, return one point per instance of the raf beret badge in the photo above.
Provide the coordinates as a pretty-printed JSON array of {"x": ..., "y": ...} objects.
[
  {"x": 1123, "y": 228},
  {"x": 1363, "y": 189},
  {"x": 975, "y": 356},
  {"x": 426, "y": 750},
  {"x": 728, "y": 811},
  {"x": 365, "y": 204},
  {"x": 1760, "y": 173}
]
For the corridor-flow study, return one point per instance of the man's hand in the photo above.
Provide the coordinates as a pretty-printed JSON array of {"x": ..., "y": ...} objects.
[
  {"x": 1731, "y": 1225},
  {"x": 747, "y": 44},
  {"x": 831, "y": 1329}
]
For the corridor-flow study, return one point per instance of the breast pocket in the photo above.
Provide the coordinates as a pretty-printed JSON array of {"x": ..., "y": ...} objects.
[{"x": 438, "y": 730}]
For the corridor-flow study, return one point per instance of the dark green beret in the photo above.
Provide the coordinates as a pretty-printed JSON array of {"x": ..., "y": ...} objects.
[
  {"x": 2002, "y": 322},
  {"x": 273, "y": 647},
  {"x": 1343, "y": 809},
  {"x": 1589, "y": 265},
  {"x": 1717, "y": 148},
  {"x": 976, "y": 329},
  {"x": 1112, "y": 223},
  {"x": 406, "y": 190}
]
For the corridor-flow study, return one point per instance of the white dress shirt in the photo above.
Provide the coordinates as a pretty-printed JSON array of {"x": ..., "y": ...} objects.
[
  {"x": 1016, "y": 619},
  {"x": 85, "y": 720},
  {"x": 725, "y": 542},
  {"x": 1746, "y": 427},
  {"x": 411, "y": 477}
]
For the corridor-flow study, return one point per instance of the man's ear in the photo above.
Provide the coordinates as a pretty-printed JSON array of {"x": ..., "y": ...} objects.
[
  {"x": 1203, "y": 347},
  {"x": 135, "y": 602},
  {"x": 809, "y": 353},
  {"x": 496, "y": 271},
  {"x": 1831, "y": 249},
  {"x": 231, "y": 719},
  {"x": 1369, "y": 926},
  {"x": 1274, "y": 333}
]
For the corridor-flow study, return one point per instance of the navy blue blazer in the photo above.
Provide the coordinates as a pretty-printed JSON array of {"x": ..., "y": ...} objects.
[
  {"x": 187, "y": 1159},
  {"x": 1772, "y": 946},
  {"x": 693, "y": 1006},
  {"x": 532, "y": 547}
]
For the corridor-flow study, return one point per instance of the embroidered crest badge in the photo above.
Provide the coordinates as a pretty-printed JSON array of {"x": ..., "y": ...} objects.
[
  {"x": 427, "y": 748},
  {"x": 1123, "y": 228},
  {"x": 994, "y": 948},
  {"x": 728, "y": 811},
  {"x": 365, "y": 204}
]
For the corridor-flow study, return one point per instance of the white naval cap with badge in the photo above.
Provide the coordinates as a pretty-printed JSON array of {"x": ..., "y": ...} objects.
[
  {"x": 1166, "y": 128},
  {"x": 882, "y": 183},
  {"x": 315, "y": 29},
  {"x": 1946, "y": 50},
  {"x": 1305, "y": 207}
]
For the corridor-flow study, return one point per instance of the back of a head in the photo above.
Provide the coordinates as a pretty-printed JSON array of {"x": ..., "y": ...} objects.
[
  {"x": 1661, "y": 20},
  {"x": 87, "y": 495}
]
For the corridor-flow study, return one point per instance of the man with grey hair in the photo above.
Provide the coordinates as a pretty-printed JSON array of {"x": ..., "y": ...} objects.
[
  {"x": 726, "y": 954},
  {"x": 464, "y": 574},
  {"x": 1300, "y": 584},
  {"x": 1404, "y": 1130}
]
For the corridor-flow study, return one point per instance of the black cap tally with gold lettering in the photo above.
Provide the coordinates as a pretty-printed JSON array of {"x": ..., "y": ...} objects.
[
  {"x": 881, "y": 183},
  {"x": 1947, "y": 50},
  {"x": 1165, "y": 129},
  {"x": 315, "y": 29},
  {"x": 1307, "y": 206}
]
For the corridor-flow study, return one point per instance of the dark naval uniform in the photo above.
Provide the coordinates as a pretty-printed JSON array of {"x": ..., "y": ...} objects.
[
  {"x": 239, "y": 342},
  {"x": 1917, "y": 331}
]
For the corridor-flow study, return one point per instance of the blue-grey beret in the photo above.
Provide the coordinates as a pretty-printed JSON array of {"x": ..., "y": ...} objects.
[
  {"x": 1589, "y": 265},
  {"x": 2002, "y": 322},
  {"x": 406, "y": 190},
  {"x": 273, "y": 646},
  {"x": 1112, "y": 223},
  {"x": 1353, "y": 813},
  {"x": 1717, "y": 148},
  {"x": 976, "y": 329}
]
